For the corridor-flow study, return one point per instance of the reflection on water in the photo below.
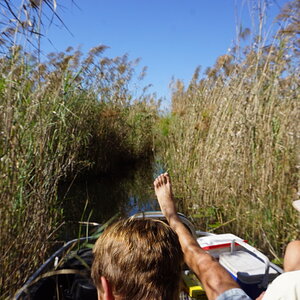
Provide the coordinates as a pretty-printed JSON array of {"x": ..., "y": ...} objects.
[{"x": 99, "y": 198}]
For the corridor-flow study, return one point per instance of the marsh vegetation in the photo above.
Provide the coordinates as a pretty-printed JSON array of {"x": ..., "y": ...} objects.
[{"x": 230, "y": 141}]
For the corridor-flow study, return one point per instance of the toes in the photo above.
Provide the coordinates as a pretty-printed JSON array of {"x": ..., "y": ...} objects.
[
  {"x": 158, "y": 181},
  {"x": 167, "y": 177},
  {"x": 162, "y": 179}
]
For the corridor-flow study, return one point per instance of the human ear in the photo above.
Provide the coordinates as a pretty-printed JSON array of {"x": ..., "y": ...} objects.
[{"x": 107, "y": 290}]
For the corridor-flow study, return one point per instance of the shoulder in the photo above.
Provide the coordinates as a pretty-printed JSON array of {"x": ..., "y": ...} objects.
[
  {"x": 285, "y": 286},
  {"x": 287, "y": 277}
]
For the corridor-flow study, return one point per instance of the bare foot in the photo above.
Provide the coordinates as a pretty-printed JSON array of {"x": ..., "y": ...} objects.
[{"x": 163, "y": 191}]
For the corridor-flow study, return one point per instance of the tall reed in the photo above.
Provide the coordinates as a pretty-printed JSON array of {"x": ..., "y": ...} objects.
[
  {"x": 231, "y": 141},
  {"x": 68, "y": 115}
]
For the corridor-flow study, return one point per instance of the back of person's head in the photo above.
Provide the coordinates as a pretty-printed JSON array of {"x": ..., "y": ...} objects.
[{"x": 140, "y": 258}]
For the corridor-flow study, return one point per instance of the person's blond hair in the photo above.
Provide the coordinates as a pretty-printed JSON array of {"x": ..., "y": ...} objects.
[{"x": 140, "y": 258}]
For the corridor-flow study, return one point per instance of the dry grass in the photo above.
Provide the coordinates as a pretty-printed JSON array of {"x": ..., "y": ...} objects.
[
  {"x": 232, "y": 142},
  {"x": 60, "y": 116},
  {"x": 65, "y": 116}
]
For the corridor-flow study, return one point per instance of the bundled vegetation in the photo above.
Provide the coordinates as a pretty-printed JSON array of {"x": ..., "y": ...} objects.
[
  {"x": 58, "y": 118},
  {"x": 232, "y": 139}
]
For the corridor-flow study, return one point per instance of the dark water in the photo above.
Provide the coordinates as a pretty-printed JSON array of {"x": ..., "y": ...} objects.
[{"x": 97, "y": 199}]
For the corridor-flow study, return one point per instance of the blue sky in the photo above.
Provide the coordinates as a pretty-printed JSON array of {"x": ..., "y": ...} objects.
[{"x": 172, "y": 37}]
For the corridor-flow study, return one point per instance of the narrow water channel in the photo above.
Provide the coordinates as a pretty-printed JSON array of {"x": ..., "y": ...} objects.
[{"x": 97, "y": 199}]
